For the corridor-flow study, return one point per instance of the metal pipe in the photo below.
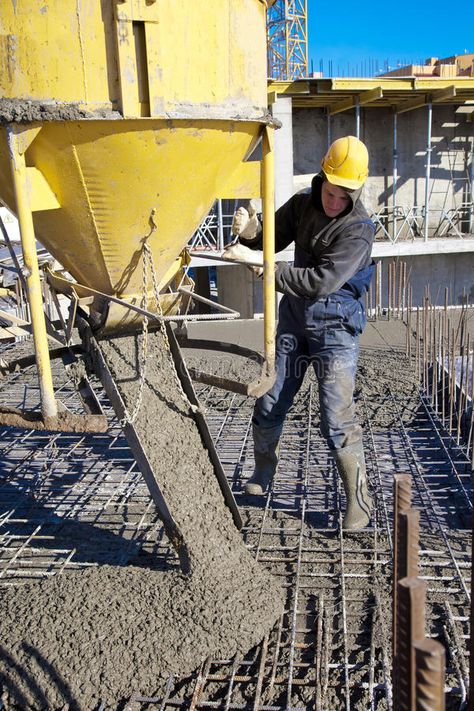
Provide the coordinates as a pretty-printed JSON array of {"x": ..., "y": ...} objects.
[
  {"x": 377, "y": 289},
  {"x": 357, "y": 116},
  {"x": 328, "y": 116},
  {"x": 395, "y": 173},
  {"x": 418, "y": 345},
  {"x": 400, "y": 289},
  {"x": 389, "y": 304},
  {"x": 379, "y": 295},
  {"x": 268, "y": 203},
  {"x": 428, "y": 170},
  {"x": 220, "y": 226},
  {"x": 49, "y": 406},
  {"x": 394, "y": 287}
]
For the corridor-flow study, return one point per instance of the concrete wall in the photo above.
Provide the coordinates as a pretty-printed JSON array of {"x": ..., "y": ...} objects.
[
  {"x": 451, "y": 157},
  {"x": 239, "y": 289},
  {"x": 438, "y": 272}
]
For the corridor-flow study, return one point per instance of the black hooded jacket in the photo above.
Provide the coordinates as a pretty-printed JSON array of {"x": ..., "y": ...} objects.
[{"x": 329, "y": 252}]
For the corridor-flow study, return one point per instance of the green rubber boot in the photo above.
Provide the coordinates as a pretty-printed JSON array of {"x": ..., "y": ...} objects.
[
  {"x": 350, "y": 463},
  {"x": 266, "y": 445}
]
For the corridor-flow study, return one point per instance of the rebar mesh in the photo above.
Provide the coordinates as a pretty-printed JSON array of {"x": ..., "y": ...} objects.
[{"x": 69, "y": 501}]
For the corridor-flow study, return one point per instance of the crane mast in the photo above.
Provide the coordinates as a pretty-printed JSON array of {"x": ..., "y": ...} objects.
[{"x": 287, "y": 40}]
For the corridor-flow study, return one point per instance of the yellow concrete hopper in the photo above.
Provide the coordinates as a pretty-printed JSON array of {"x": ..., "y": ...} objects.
[
  {"x": 171, "y": 97},
  {"x": 113, "y": 186},
  {"x": 121, "y": 122}
]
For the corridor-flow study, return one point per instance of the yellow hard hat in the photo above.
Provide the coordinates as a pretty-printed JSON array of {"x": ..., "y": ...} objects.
[{"x": 346, "y": 163}]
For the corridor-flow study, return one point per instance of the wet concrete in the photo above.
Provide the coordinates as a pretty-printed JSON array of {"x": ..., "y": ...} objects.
[
  {"x": 24, "y": 111},
  {"x": 103, "y": 633}
]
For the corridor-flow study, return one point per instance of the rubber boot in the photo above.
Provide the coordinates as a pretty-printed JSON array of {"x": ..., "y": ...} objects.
[
  {"x": 350, "y": 463},
  {"x": 265, "y": 445}
]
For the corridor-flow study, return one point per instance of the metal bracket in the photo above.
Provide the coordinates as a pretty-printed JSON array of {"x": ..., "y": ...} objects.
[{"x": 255, "y": 388}]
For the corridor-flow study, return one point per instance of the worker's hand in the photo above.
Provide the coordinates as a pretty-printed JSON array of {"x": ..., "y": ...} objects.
[
  {"x": 245, "y": 223},
  {"x": 258, "y": 271},
  {"x": 237, "y": 252}
]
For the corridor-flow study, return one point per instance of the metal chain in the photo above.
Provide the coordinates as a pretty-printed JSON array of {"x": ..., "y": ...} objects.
[
  {"x": 184, "y": 397},
  {"x": 148, "y": 261},
  {"x": 127, "y": 417}
]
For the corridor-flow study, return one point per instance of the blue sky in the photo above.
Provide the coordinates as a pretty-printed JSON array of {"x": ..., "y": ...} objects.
[{"x": 351, "y": 32}]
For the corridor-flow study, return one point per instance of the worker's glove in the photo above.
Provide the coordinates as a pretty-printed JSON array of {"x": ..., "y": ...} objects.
[
  {"x": 237, "y": 252},
  {"x": 245, "y": 222}
]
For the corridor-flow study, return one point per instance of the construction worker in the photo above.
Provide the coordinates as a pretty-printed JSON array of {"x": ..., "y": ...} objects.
[{"x": 321, "y": 314}]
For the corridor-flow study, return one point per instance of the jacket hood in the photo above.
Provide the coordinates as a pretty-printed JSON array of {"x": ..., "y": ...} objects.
[{"x": 316, "y": 185}]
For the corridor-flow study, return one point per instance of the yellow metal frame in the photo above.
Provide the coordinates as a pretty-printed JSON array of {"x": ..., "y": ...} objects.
[
  {"x": 18, "y": 141},
  {"x": 187, "y": 124},
  {"x": 268, "y": 199}
]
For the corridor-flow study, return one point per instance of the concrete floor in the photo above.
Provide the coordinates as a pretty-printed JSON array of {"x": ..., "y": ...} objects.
[{"x": 71, "y": 501}]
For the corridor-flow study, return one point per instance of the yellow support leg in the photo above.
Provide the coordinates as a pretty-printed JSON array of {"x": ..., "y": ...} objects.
[
  {"x": 17, "y": 144},
  {"x": 268, "y": 199}
]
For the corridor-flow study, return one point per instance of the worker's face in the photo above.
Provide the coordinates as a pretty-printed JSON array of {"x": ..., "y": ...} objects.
[{"x": 335, "y": 199}]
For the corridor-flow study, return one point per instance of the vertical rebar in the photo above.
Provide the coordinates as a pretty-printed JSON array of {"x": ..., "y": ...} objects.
[
  {"x": 437, "y": 361},
  {"x": 462, "y": 387},
  {"x": 433, "y": 356},
  {"x": 401, "y": 502},
  {"x": 430, "y": 671},
  {"x": 471, "y": 638},
  {"x": 425, "y": 344},
  {"x": 452, "y": 381},
  {"x": 408, "y": 543},
  {"x": 379, "y": 295},
  {"x": 469, "y": 439},
  {"x": 410, "y": 628},
  {"x": 443, "y": 376},
  {"x": 409, "y": 321}
]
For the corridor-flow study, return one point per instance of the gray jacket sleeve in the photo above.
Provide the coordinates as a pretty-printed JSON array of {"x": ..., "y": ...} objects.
[{"x": 349, "y": 252}]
